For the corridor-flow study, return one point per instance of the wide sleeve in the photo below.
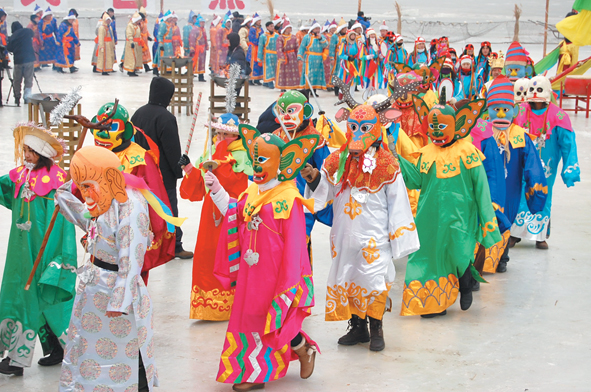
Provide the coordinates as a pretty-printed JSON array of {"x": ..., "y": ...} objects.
[
  {"x": 132, "y": 240},
  {"x": 101, "y": 39},
  {"x": 323, "y": 194},
  {"x": 228, "y": 253},
  {"x": 303, "y": 46},
  {"x": 536, "y": 189},
  {"x": 571, "y": 172},
  {"x": 495, "y": 174},
  {"x": 129, "y": 32},
  {"x": 7, "y": 189},
  {"x": 404, "y": 238},
  {"x": 71, "y": 207},
  {"x": 60, "y": 35},
  {"x": 193, "y": 187},
  {"x": 261, "y": 51},
  {"x": 333, "y": 45},
  {"x": 279, "y": 43},
  {"x": 489, "y": 233},
  {"x": 410, "y": 173}
]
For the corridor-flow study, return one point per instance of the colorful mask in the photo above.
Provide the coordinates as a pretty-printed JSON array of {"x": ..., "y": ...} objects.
[
  {"x": 500, "y": 103},
  {"x": 520, "y": 91},
  {"x": 272, "y": 157},
  {"x": 95, "y": 170},
  {"x": 444, "y": 125},
  {"x": 294, "y": 109},
  {"x": 364, "y": 122},
  {"x": 539, "y": 89},
  {"x": 121, "y": 129},
  {"x": 517, "y": 65},
  {"x": 419, "y": 73}
]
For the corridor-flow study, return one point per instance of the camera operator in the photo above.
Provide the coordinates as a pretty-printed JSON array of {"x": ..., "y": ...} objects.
[
  {"x": 20, "y": 44},
  {"x": 3, "y": 51},
  {"x": 365, "y": 22}
]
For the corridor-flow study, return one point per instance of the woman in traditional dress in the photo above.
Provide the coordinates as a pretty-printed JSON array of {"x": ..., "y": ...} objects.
[
  {"x": 48, "y": 50},
  {"x": 288, "y": 73},
  {"x": 310, "y": 54},
  {"x": 67, "y": 43},
  {"x": 44, "y": 309},
  {"x": 105, "y": 47}
]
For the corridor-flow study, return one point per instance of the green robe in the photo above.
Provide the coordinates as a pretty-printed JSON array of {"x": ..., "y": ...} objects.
[
  {"x": 48, "y": 302},
  {"x": 454, "y": 212}
]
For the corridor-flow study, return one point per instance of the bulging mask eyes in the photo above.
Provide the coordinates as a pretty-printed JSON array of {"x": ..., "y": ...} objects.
[
  {"x": 262, "y": 159},
  {"x": 442, "y": 126},
  {"x": 366, "y": 128},
  {"x": 354, "y": 127}
]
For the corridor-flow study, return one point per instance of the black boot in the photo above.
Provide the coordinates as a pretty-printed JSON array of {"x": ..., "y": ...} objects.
[
  {"x": 142, "y": 380},
  {"x": 73, "y": 69},
  {"x": 94, "y": 69},
  {"x": 376, "y": 333},
  {"x": 466, "y": 289},
  {"x": 336, "y": 91},
  {"x": 155, "y": 71},
  {"x": 431, "y": 315},
  {"x": 105, "y": 73},
  {"x": 132, "y": 74},
  {"x": 147, "y": 68},
  {"x": 59, "y": 70},
  {"x": 357, "y": 332},
  {"x": 57, "y": 352},
  {"x": 5, "y": 368},
  {"x": 201, "y": 78},
  {"x": 502, "y": 266}
]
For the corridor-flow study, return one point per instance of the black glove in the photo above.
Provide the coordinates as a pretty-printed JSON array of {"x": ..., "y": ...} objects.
[
  {"x": 132, "y": 46},
  {"x": 351, "y": 58},
  {"x": 150, "y": 39},
  {"x": 184, "y": 161}
]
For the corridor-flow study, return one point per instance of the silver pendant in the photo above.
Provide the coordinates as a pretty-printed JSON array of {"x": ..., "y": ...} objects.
[
  {"x": 360, "y": 196},
  {"x": 254, "y": 223},
  {"x": 251, "y": 257}
]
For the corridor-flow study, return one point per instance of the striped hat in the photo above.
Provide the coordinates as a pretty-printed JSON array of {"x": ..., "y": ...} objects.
[
  {"x": 516, "y": 55},
  {"x": 500, "y": 92}
]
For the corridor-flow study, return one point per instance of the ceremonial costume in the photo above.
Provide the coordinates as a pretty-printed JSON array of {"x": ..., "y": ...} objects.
[
  {"x": 482, "y": 64},
  {"x": 372, "y": 224},
  {"x": 224, "y": 43},
  {"x": 133, "y": 46},
  {"x": 334, "y": 48},
  {"x": 296, "y": 114},
  {"x": 44, "y": 309},
  {"x": 143, "y": 164},
  {"x": 191, "y": 23},
  {"x": 419, "y": 56},
  {"x": 105, "y": 46},
  {"x": 145, "y": 33},
  {"x": 156, "y": 44},
  {"x": 252, "y": 55},
  {"x": 511, "y": 160},
  {"x": 209, "y": 299},
  {"x": 555, "y": 141},
  {"x": 267, "y": 55},
  {"x": 214, "y": 46},
  {"x": 348, "y": 54},
  {"x": 454, "y": 212},
  {"x": 177, "y": 39},
  {"x": 568, "y": 56},
  {"x": 262, "y": 252},
  {"x": 329, "y": 60},
  {"x": 467, "y": 79},
  {"x": 34, "y": 27},
  {"x": 517, "y": 65},
  {"x": 76, "y": 28},
  {"x": 47, "y": 30},
  {"x": 288, "y": 72},
  {"x": 110, "y": 337},
  {"x": 165, "y": 31},
  {"x": 67, "y": 43},
  {"x": 310, "y": 53},
  {"x": 198, "y": 47},
  {"x": 371, "y": 65}
]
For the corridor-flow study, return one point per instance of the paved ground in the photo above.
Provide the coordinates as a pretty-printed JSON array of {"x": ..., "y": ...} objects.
[{"x": 526, "y": 331}]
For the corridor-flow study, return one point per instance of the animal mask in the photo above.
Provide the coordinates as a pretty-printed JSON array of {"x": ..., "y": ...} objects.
[
  {"x": 364, "y": 122},
  {"x": 421, "y": 73},
  {"x": 500, "y": 103},
  {"x": 539, "y": 89},
  {"x": 444, "y": 124},
  {"x": 272, "y": 157},
  {"x": 121, "y": 129},
  {"x": 95, "y": 171},
  {"x": 294, "y": 109}
]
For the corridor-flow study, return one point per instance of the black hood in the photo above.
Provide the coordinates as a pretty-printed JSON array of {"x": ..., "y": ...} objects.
[
  {"x": 161, "y": 91},
  {"x": 16, "y": 26}
]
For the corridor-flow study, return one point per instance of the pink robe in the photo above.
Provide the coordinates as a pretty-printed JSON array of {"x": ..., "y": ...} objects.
[
  {"x": 272, "y": 297},
  {"x": 288, "y": 71}
]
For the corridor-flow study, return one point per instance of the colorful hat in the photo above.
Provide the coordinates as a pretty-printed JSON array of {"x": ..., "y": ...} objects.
[
  {"x": 341, "y": 27},
  {"x": 315, "y": 25},
  {"x": 37, "y": 10},
  {"x": 420, "y": 40},
  {"x": 136, "y": 17},
  {"x": 500, "y": 92},
  {"x": 469, "y": 47},
  {"x": 333, "y": 24},
  {"x": 356, "y": 25},
  {"x": 277, "y": 20},
  {"x": 399, "y": 38},
  {"x": 255, "y": 18},
  {"x": 216, "y": 19},
  {"x": 516, "y": 55},
  {"x": 42, "y": 141},
  {"x": 325, "y": 27},
  {"x": 285, "y": 26},
  {"x": 166, "y": 16},
  {"x": 498, "y": 62},
  {"x": 200, "y": 19},
  {"x": 466, "y": 59},
  {"x": 227, "y": 122},
  {"x": 192, "y": 15},
  {"x": 70, "y": 17},
  {"x": 383, "y": 26},
  {"x": 246, "y": 21},
  {"x": 448, "y": 63},
  {"x": 48, "y": 11}
]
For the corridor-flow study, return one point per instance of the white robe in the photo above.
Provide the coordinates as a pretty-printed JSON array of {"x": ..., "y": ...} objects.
[{"x": 103, "y": 351}]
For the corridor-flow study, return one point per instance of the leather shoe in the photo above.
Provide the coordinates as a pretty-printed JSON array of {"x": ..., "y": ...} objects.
[
  {"x": 248, "y": 386},
  {"x": 5, "y": 368},
  {"x": 542, "y": 245},
  {"x": 502, "y": 266},
  {"x": 465, "y": 300},
  {"x": 184, "y": 254},
  {"x": 55, "y": 358},
  {"x": 513, "y": 241},
  {"x": 431, "y": 315}
]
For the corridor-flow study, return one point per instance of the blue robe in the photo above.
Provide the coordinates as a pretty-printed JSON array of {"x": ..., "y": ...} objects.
[
  {"x": 422, "y": 58},
  {"x": 66, "y": 50},
  {"x": 186, "y": 45},
  {"x": 267, "y": 55},
  {"x": 346, "y": 69},
  {"x": 560, "y": 145},
  {"x": 155, "y": 44},
  {"x": 310, "y": 52},
  {"x": 253, "y": 46},
  {"x": 48, "y": 53}
]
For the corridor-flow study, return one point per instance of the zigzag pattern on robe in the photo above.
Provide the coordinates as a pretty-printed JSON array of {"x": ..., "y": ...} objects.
[{"x": 289, "y": 298}]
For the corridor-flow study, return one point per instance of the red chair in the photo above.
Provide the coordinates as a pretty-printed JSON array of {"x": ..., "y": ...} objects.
[{"x": 578, "y": 88}]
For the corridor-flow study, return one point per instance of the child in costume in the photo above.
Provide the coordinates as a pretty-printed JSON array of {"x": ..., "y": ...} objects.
[
  {"x": 555, "y": 141},
  {"x": 43, "y": 310},
  {"x": 454, "y": 212},
  {"x": 511, "y": 160},
  {"x": 110, "y": 337},
  {"x": 262, "y": 252},
  {"x": 209, "y": 299},
  {"x": 112, "y": 130},
  {"x": 373, "y": 222}
]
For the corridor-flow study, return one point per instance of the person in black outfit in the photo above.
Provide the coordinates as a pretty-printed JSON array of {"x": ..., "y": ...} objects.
[
  {"x": 161, "y": 126},
  {"x": 236, "y": 55},
  {"x": 20, "y": 44}
]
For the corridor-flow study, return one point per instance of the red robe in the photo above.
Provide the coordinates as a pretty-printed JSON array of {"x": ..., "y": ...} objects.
[
  {"x": 209, "y": 299},
  {"x": 143, "y": 164}
]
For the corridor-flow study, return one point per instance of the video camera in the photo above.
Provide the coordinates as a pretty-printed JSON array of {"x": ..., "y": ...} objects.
[{"x": 3, "y": 57}]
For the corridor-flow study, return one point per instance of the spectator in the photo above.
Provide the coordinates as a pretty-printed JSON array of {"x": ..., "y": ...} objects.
[
  {"x": 161, "y": 126},
  {"x": 20, "y": 44}
]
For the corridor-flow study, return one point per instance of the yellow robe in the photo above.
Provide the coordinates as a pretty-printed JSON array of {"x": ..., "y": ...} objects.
[
  {"x": 105, "y": 52},
  {"x": 133, "y": 57}
]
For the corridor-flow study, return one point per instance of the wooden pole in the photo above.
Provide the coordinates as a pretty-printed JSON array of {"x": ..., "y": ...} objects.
[
  {"x": 162, "y": 6},
  {"x": 51, "y": 224},
  {"x": 546, "y": 28}
]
